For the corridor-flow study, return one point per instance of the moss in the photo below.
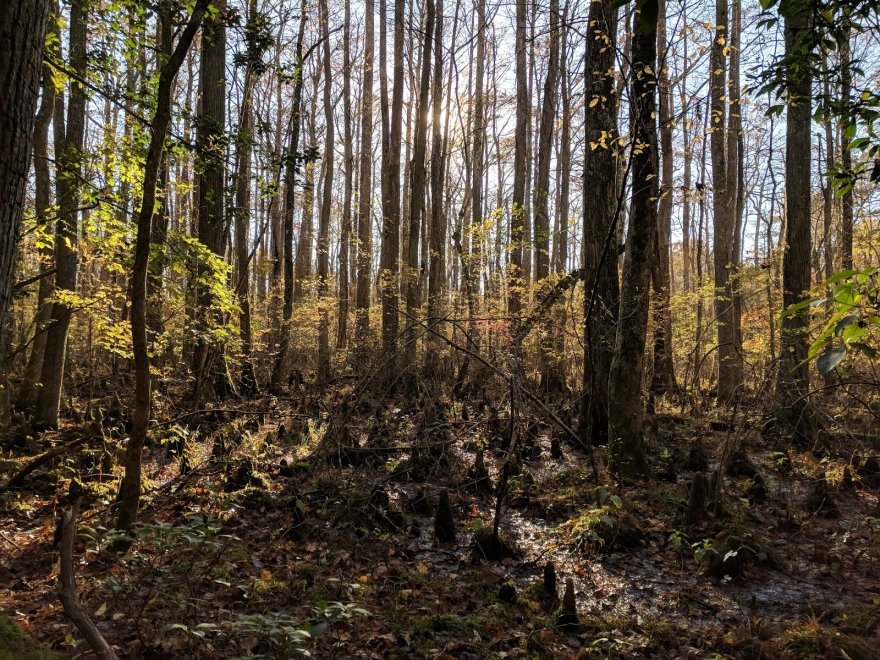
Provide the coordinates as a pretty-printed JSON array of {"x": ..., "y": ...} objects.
[{"x": 15, "y": 645}]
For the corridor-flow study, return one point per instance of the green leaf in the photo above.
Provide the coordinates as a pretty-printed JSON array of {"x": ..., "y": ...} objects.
[{"x": 830, "y": 359}]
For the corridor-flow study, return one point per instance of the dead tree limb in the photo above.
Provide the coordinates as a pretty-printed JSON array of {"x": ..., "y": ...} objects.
[
  {"x": 68, "y": 587},
  {"x": 547, "y": 301},
  {"x": 18, "y": 479}
]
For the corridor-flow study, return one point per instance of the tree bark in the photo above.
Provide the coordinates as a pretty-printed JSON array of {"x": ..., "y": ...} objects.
[
  {"x": 326, "y": 201},
  {"x": 389, "y": 273},
  {"x": 724, "y": 154},
  {"x": 128, "y": 499},
  {"x": 365, "y": 186},
  {"x": 279, "y": 369},
  {"x": 27, "y": 395},
  {"x": 418, "y": 186},
  {"x": 793, "y": 378},
  {"x": 601, "y": 216},
  {"x": 348, "y": 158},
  {"x": 518, "y": 208},
  {"x": 625, "y": 380},
  {"x": 67, "y": 191},
  {"x": 22, "y": 32},
  {"x": 663, "y": 378},
  {"x": 209, "y": 364}
]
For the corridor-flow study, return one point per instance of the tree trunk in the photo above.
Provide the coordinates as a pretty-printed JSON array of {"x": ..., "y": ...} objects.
[
  {"x": 209, "y": 364},
  {"x": 601, "y": 217},
  {"x": 279, "y": 369},
  {"x": 625, "y": 380},
  {"x": 793, "y": 378},
  {"x": 348, "y": 157},
  {"x": 326, "y": 201},
  {"x": 846, "y": 212},
  {"x": 130, "y": 488},
  {"x": 389, "y": 273},
  {"x": 253, "y": 67},
  {"x": 27, "y": 395},
  {"x": 437, "y": 265},
  {"x": 518, "y": 208},
  {"x": 723, "y": 147},
  {"x": 365, "y": 185},
  {"x": 417, "y": 180},
  {"x": 22, "y": 32},
  {"x": 548, "y": 363},
  {"x": 663, "y": 378},
  {"x": 67, "y": 191}
]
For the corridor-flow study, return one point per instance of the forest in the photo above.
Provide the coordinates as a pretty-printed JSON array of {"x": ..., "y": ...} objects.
[{"x": 439, "y": 329}]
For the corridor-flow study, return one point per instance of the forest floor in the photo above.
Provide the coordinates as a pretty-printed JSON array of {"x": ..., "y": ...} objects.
[{"x": 284, "y": 533}]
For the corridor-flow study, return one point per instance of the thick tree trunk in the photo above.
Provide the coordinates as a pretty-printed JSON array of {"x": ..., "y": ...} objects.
[
  {"x": 27, "y": 395},
  {"x": 793, "y": 378},
  {"x": 625, "y": 380},
  {"x": 22, "y": 32},
  {"x": 601, "y": 216},
  {"x": 67, "y": 191},
  {"x": 209, "y": 363},
  {"x": 724, "y": 154}
]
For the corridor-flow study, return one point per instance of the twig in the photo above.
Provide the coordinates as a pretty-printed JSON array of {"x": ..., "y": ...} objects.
[
  {"x": 10, "y": 541},
  {"x": 68, "y": 588}
]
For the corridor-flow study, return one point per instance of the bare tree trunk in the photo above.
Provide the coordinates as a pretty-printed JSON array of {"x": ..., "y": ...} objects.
[
  {"x": 548, "y": 364},
  {"x": 253, "y": 67},
  {"x": 518, "y": 208},
  {"x": 128, "y": 499},
  {"x": 417, "y": 196},
  {"x": 22, "y": 32},
  {"x": 625, "y": 380},
  {"x": 601, "y": 216},
  {"x": 27, "y": 395},
  {"x": 365, "y": 240},
  {"x": 279, "y": 370},
  {"x": 326, "y": 201},
  {"x": 846, "y": 214},
  {"x": 723, "y": 146},
  {"x": 793, "y": 378},
  {"x": 663, "y": 378},
  {"x": 437, "y": 265},
  {"x": 348, "y": 157},
  {"x": 67, "y": 191},
  {"x": 209, "y": 363},
  {"x": 389, "y": 276}
]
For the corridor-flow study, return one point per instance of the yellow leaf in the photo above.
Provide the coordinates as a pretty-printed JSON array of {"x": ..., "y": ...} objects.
[
  {"x": 594, "y": 102},
  {"x": 422, "y": 568},
  {"x": 363, "y": 579},
  {"x": 265, "y": 575},
  {"x": 866, "y": 95}
]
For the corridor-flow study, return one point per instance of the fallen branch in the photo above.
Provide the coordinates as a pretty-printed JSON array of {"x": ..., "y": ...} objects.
[
  {"x": 18, "y": 479},
  {"x": 68, "y": 587},
  {"x": 549, "y": 299}
]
